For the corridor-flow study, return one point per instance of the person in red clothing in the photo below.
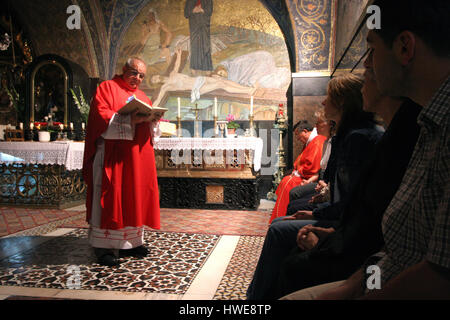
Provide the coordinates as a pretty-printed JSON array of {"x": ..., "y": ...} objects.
[
  {"x": 119, "y": 169},
  {"x": 306, "y": 166}
]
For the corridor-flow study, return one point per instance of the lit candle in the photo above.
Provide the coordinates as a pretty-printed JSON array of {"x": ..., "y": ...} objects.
[
  {"x": 179, "y": 107},
  {"x": 71, "y": 126},
  {"x": 31, "y": 125},
  {"x": 215, "y": 107},
  {"x": 251, "y": 105},
  {"x": 21, "y": 126},
  {"x": 82, "y": 125}
]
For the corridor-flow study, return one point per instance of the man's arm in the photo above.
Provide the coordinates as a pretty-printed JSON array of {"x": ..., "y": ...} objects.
[
  {"x": 352, "y": 288},
  {"x": 424, "y": 280}
]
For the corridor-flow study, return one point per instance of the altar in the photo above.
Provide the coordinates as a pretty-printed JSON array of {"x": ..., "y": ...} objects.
[
  {"x": 44, "y": 174},
  {"x": 209, "y": 173}
]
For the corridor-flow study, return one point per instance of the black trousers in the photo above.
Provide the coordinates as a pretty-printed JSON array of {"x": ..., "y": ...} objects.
[{"x": 302, "y": 269}]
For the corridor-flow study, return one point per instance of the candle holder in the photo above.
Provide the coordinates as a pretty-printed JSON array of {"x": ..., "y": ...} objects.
[
  {"x": 216, "y": 129},
  {"x": 281, "y": 125},
  {"x": 250, "y": 118},
  {"x": 178, "y": 126},
  {"x": 70, "y": 133},
  {"x": 222, "y": 126},
  {"x": 28, "y": 134}
]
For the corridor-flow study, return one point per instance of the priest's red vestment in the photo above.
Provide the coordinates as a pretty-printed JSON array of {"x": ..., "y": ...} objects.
[
  {"x": 306, "y": 165},
  {"x": 130, "y": 196}
]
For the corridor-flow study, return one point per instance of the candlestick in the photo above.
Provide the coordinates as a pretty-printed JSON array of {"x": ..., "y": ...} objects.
[
  {"x": 251, "y": 105},
  {"x": 179, "y": 126},
  {"x": 215, "y": 107},
  {"x": 250, "y": 118},
  {"x": 179, "y": 107},
  {"x": 216, "y": 128}
]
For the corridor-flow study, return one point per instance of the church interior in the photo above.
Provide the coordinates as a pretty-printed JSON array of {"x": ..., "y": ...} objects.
[{"x": 214, "y": 217}]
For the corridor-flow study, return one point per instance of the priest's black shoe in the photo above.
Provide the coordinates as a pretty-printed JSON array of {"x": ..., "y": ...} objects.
[
  {"x": 106, "y": 257},
  {"x": 138, "y": 252}
]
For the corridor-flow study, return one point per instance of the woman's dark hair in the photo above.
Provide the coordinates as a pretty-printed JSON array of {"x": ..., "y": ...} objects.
[{"x": 344, "y": 93}]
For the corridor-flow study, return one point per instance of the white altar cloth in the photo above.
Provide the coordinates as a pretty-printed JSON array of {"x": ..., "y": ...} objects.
[
  {"x": 67, "y": 153},
  {"x": 240, "y": 143},
  {"x": 70, "y": 153}
]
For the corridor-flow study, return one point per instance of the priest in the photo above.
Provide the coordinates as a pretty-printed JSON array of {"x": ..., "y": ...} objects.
[
  {"x": 119, "y": 169},
  {"x": 306, "y": 166}
]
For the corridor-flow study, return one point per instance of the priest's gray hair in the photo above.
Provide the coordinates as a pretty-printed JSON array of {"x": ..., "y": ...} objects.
[{"x": 130, "y": 61}]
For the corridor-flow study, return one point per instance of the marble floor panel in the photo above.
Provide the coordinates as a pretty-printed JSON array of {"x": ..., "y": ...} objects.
[
  {"x": 44, "y": 261},
  {"x": 68, "y": 262}
]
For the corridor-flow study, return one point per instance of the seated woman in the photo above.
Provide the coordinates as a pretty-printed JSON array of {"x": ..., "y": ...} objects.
[
  {"x": 306, "y": 167},
  {"x": 356, "y": 136}
]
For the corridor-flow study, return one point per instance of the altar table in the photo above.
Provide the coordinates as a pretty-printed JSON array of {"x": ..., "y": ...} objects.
[
  {"x": 44, "y": 174},
  {"x": 209, "y": 173}
]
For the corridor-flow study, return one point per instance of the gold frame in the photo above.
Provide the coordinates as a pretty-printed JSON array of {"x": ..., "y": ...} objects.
[{"x": 66, "y": 89}]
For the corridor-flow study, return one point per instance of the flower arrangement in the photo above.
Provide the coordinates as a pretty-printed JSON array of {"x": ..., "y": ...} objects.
[
  {"x": 231, "y": 124},
  {"x": 44, "y": 126},
  {"x": 81, "y": 104}
]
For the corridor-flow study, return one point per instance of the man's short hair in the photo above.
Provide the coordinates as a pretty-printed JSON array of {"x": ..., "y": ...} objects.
[
  {"x": 130, "y": 61},
  {"x": 302, "y": 125},
  {"x": 429, "y": 20}
]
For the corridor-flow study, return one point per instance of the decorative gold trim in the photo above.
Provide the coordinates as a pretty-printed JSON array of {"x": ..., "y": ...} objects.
[
  {"x": 311, "y": 74},
  {"x": 66, "y": 89},
  {"x": 226, "y": 174},
  {"x": 215, "y": 194}
]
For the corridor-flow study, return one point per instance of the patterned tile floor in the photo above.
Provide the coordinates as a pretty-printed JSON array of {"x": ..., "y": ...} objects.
[
  {"x": 239, "y": 273},
  {"x": 36, "y": 263}
]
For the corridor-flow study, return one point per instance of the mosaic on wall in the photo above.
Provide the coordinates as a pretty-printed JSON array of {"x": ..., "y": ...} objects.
[
  {"x": 230, "y": 50},
  {"x": 312, "y": 21}
]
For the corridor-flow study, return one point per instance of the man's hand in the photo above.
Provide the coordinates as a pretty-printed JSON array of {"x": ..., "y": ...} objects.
[
  {"x": 300, "y": 215},
  {"x": 156, "y": 117},
  {"x": 318, "y": 198},
  {"x": 320, "y": 185},
  {"x": 139, "y": 118},
  {"x": 306, "y": 239},
  {"x": 350, "y": 289}
]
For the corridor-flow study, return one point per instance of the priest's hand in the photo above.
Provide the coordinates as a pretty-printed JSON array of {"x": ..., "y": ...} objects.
[
  {"x": 139, "y": 118},
  {"x": 156, "y": 117}
]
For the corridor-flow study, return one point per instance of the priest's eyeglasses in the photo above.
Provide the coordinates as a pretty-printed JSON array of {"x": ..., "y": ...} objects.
[{"x": 135, "y": 73}]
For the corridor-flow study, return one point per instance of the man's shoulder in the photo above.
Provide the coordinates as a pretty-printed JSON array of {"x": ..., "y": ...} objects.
[
  {"x": 107, "y": 84},
  {"x": 439, "y": 107}
]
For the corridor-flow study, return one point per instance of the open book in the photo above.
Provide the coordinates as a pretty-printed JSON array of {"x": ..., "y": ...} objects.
[{"x": 144, "y": 108}]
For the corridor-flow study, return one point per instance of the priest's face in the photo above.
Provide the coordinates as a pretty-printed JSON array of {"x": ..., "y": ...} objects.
[{"x": 134, "y": 73}]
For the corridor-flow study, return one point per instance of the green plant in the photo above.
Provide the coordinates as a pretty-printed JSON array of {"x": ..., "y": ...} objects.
[
  {"x": 231, "y": 124},
  {"x": 81, "y": 104}
]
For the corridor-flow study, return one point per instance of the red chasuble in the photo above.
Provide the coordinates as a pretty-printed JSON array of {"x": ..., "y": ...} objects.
[
  {"x": 130, "y": 196},
  {"x": 307, "y": 165}
]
